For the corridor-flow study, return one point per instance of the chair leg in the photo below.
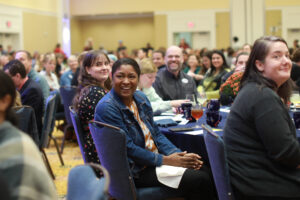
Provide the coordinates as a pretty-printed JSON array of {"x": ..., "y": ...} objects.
[
  {"x": 49, "y": 140},
  {"x": 57, "y": 149},
  {"x": 64, "y": 138},
  {"x": 47, "y": 163}
]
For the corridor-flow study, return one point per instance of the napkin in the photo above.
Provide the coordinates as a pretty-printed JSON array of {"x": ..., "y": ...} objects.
[{"x": 169, "y": 175}]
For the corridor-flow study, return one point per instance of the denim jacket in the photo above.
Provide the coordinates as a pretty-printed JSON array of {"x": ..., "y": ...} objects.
[{"x": 111, "y": 110}]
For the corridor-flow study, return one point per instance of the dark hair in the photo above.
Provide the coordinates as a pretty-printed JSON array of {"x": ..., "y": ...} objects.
[
  {"x": 145, "y": 50},
  {"x": 241, "y": 54},
  {"x": 203, "y": 69},
  {"x": 296, "y": 55},
  {"x": 213, "y": 68},
  {"x": 14, "y": 67},
  {"x": 159, "y": 51},
  {"x": 7, "y": 87},
  {"x": 85, "y": 79},
  {"x": 259, "y": 52},
  {"x": 29, "y": 57},
  {"x": 126, "y": 61}
]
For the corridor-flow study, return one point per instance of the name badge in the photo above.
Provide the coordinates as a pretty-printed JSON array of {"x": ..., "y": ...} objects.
[{"x": 184, "y": 80}]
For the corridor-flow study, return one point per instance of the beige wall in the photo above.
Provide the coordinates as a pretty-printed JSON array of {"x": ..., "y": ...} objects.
[
  {"x": 270, "y": 3},
  {"x": 76, "y": 37},
  {"x": 273, "y": 19},
  {"x": 160, "y": 31},
  {"x": 41, "y": 5},
  {"x": 222, "y": 30},
  {"x": 39, "y": 32},
  {"x": 88, "y": 7},
  {"x": 135, "y": 33}
]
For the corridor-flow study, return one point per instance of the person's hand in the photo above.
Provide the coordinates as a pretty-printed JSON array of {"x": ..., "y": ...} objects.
[
  {"x": 183, "y": 159},
  {"x": 192, "y": 74},
  {"x": 197, "y": 158},
  {"x": 177, "y": 103},
  {"x": 198, "y": 77}
]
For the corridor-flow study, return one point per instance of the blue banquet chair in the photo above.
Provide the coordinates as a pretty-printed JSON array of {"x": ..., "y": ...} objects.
[
  {"x": 46, "y": 131},
  {"x": 110, "y": 142},
  {"x": 27, "y": 122},
  {"x": 217, "y": 159},
  {"x": 67, "y": 94},
  {"x": 84, "y": 184},
  {"x": 79, "y": 132}
]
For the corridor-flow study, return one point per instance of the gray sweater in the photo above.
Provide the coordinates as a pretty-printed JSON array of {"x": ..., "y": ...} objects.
[{"x": 261, "y": 144}]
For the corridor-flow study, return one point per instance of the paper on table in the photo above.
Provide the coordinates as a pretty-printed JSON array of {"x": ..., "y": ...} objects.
[
  {"x": 197, "y": 132},
  {"x": 177, "y": 118},
  {"x": 184, "y": 122},
  {"x": 227, "y": 110},
  {"x": 167, "y": 114}
]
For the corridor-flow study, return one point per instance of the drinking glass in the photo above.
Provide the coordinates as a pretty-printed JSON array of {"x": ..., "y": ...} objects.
[
  {"x": 191, "y": 97},
  {"x": 201, "y": 97},
  {"x": 197, "y": 112}
]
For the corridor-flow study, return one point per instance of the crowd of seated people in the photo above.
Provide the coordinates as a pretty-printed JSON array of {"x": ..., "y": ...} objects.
[{"x": 125, "y": 92}]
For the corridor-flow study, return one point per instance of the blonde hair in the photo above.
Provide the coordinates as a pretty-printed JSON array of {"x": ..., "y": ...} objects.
[{"x": 147, "y": 66}]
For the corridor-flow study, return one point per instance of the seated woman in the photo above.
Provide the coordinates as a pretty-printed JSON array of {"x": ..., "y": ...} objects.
[
  {"x": 193, "y": 68},
  {"x": 93, "y": 85},
  {"x": 260, "y": 137},
  {"x": 147, "y": 148},
  {"x": 212, "y": 79},
  {"x": 147, "y": 78},
  {"x": 49, "y": 62},
  {"x": 206, "y": 63},
  {"x": 21, "y": 164}
]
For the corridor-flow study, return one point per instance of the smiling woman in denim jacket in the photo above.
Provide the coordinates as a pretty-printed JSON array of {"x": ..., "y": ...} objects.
[{"x": 147, "y": 148}]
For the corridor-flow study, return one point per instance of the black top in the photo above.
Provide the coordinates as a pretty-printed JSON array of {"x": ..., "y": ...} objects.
[
  {"x": 169, "y": 87},
  {"x": 32, "y": 95},
  {"x": 261, "y": 144},
  {"x": 86, "y": 109}
]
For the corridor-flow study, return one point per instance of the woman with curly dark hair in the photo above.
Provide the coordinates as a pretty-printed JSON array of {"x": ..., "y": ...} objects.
[{"x": 94, "y": 83}]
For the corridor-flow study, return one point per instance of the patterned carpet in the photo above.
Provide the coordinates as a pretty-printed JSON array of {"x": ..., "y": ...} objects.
[{"x": 71, "y": 156}]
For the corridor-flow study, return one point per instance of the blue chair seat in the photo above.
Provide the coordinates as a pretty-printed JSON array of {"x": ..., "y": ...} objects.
[{"x": 111, "y": 147}]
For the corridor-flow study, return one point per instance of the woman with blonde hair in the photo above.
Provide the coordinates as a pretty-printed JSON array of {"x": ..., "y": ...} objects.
[{"x": 49, "y": 63}]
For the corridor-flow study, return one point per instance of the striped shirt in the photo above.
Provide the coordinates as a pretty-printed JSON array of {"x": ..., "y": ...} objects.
[{"x": 149, "y": 142}]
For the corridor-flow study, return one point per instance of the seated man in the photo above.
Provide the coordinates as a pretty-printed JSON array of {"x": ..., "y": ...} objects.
[
  {"x": 66, "y": 78},
  {"x": 26, "y": 59},
  {"x": 172, "y": 83},
  {"x": 31, "y": 93}
]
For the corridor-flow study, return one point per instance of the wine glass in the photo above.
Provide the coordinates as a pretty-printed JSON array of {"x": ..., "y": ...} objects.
[
  {"x": 197, "y": 112},
  {"x": 202, "y": 97},
  {"x": 191, "y": 97}
]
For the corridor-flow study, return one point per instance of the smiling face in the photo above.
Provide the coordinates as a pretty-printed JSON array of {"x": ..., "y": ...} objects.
[
  {"x": 174, "y": 59},
  {"x": 277, "y": 64},
  {"x": 206, "y": 62},
  {"x": 125, "y": 80},
  {"x": 193, "y": 61},
  {"x": 158, "y": 59},
  {"x": 217, "y": 60},
  {"x": 100, "y": 69}
]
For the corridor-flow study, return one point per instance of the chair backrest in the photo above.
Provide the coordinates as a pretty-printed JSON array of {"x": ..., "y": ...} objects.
[
  {"x": 67, "y": 94},
  {"x": 84, "y": 184},
  {"x": 27, "y": 122},
  {"x": 79, "y": 132},
  {"x": 48, "y": 118},
  {"x": 57, "y": 96},
  {"x": 110, "y": 144},
  {"x": 217, "y": 159}
]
